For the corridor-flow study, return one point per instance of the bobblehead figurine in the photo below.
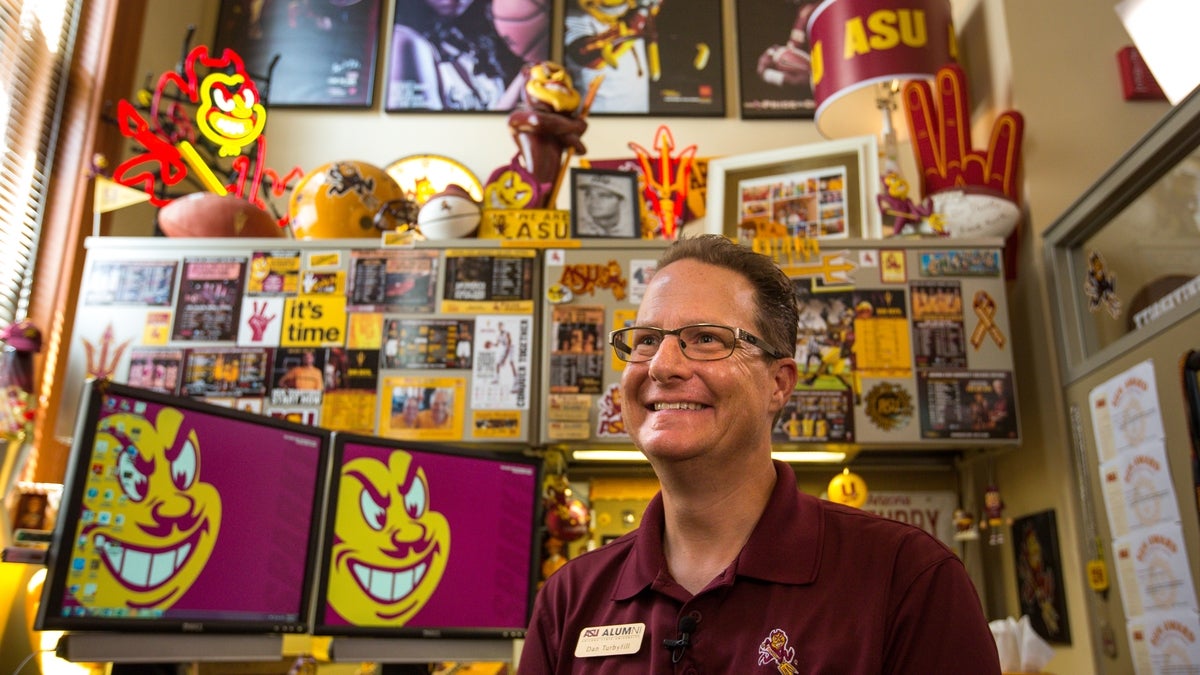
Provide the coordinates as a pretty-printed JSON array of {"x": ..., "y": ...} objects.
[
  {"x": 993, "y": 511},
  {"x": 548, "y": 124}
]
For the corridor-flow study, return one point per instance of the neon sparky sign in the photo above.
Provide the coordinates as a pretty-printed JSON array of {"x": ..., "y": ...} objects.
[
  {"x": 666, "y": 178},
  {"x": 228, "y": 113}
]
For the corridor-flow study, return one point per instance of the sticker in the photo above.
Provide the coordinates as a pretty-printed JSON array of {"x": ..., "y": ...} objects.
[
  {"x": 558, "y": 294},
  {"x": 961, "y": 263},
  {"x": 1101, "y": 286},
  {"x": 158, "y": 328},
  {"x": 549, "y": 225},
  {"x": 889, "y": 406},
  {"x": 985, "y": 310},
  {"x": 569, "y": 407},
  {"x": 640, "y": 273},
  {"x": 569, "y": 431},
  {"x": 610, "y": 640},
  {"x": 589, "y": 278},
  {"x": 609, "y": 423},
  {"x": 324, "y": 259},
  {"x": 893, "y": 267},
  {"x": 496, "y": 423}
]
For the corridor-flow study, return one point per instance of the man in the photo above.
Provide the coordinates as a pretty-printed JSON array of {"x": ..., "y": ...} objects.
[
  {"x": 409, "y": 418},
  {"x": 304, "y": 376},
  {"x": 733, "y": 569},
  {"x": 603, "y": 206},
  {"x": 438, "y": 414}
]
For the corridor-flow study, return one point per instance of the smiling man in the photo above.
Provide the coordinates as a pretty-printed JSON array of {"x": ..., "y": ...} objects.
[{"x": 734, "y": 570}]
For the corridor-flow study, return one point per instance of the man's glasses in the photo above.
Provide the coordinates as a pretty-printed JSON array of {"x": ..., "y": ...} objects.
[{"x": 700, "y": 342}]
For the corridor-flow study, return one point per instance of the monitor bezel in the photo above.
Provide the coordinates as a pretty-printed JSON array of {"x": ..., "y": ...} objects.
[
  {"x": 320, "y": 604},
  {"x": 49, "y": 615}
]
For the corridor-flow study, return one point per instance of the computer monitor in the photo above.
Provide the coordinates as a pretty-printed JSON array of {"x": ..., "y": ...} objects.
[
  {"x": 182, "y": 516},
  {"x": 428, "y": 540}
]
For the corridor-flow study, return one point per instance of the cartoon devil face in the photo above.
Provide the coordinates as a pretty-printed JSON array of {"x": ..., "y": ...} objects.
[
  {"x": 550, "y": 87},
  {"x": 166, "y": 521},
  {"x": 391, "y": 549},
  {"x": 230, "y": 113}
]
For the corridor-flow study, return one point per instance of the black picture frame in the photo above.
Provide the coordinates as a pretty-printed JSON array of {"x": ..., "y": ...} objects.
[
  {"x": 691, "y": 62},
  {"x": 598, "y": 187},
  {"x": 469, "y": 63},
  {"x": 764, "y": 30},
  {"x": 1040, "y": 575},
  {"x": 279, "y": 48}
]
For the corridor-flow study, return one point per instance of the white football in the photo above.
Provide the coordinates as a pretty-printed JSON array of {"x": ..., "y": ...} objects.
[
  {"x": 966, "y": 214},
  {"x": 449, "y": 215}
]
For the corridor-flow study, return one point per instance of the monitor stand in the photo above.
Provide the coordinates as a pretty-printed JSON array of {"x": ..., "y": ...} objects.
[{"x": 155, "y": 654}]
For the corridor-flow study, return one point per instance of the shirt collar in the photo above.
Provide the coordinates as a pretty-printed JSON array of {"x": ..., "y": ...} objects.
[{"x": 784, "y": 547}]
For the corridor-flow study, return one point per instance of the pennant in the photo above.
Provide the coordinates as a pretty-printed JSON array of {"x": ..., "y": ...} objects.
[{"x": 110, "y": 195}]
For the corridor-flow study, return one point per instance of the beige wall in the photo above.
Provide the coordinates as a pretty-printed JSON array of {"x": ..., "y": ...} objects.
[
  {"x": 1065, "y": 82},
  {"x": 1052, "y": 61}
]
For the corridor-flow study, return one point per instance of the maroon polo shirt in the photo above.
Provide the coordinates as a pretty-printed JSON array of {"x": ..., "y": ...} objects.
[{"x": 819, "y": 587}]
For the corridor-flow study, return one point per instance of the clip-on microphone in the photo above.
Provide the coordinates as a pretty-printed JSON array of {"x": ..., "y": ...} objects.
[{"x": 687, "y": 624}]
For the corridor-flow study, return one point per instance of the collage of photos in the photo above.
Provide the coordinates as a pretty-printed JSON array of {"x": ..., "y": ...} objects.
[
  {"x": 808, "y": 204},
  {"x": 349, "y": 340}
]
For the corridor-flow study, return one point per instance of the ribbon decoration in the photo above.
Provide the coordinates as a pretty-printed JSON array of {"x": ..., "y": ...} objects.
[{"x": 985, "y": 310}]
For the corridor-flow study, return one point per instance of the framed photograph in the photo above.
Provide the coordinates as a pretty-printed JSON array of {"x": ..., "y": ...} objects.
[
  {"x": 276, "y": 41},
  {"x": 658, "y": 57},
  {"x": 463, "y": 56},
  {"x": 604, "y": 204},
  {"x": 773, "y": 60},
  {"x": 820, "y": 190},
  {"x": 1040, "y": 576}
]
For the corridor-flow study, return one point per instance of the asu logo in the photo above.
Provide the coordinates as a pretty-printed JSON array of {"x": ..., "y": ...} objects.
[
  {"x": 775, "y": 649},
  {"x": 889, "y": 406},
  {"x": 166, "y": 519},
  {"x": 390, "y": 548}
]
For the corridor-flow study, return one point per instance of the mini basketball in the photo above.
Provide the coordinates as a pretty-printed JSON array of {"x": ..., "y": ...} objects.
[
  {"x": 449, "y": 214},
  {"x": 525, "y": 26},
  {"x": 206, "y": 214}
]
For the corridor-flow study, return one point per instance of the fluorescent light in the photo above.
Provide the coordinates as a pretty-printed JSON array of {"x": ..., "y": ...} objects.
[
  {"x": 810, "y": 456},
  {"x": 608, "y": 456},
  {"x": 805, "y": 456}
]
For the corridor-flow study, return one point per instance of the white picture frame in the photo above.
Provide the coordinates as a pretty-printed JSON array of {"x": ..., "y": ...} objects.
[{"x": 794, "y": 187}]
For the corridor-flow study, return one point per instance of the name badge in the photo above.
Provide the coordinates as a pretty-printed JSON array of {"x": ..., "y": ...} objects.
[{"x": 624, "y": 638}]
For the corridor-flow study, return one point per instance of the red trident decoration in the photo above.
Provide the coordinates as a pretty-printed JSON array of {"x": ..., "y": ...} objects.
[
  {"x": 208, "y": 114},
  {"x": 666, "y": 179}
]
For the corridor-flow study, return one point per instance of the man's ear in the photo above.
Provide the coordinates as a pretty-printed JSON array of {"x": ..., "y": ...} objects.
[{"x": 786, "y": 374}]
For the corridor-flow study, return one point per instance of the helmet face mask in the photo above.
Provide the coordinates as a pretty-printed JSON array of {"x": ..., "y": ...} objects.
[{"x": 347, "y": 200}]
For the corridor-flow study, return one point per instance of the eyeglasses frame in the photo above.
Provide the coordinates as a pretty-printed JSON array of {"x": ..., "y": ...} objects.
[{"x": 739, "y": 335}]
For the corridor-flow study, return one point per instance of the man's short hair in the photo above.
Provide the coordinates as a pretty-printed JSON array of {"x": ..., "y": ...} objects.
[{"x": 777, "y": 312}]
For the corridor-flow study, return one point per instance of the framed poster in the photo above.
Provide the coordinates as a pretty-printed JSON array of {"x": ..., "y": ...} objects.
[
  {"x": 773, "y": 59},
  {"x": 820, "y": 190},
  {"x": 658, "y": 57},
  {"x": 463, "y": 56},
  {"x": 1040, "y": 576},
  {"x": 605, "y": 204},
  {"x": 276, "y": 41}
]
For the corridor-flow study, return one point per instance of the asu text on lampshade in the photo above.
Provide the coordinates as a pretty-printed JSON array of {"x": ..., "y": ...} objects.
[{"x": 859, "y": 44}]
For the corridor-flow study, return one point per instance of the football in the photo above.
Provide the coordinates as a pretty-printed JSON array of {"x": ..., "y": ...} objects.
[
  {"x": 973, "y": 214},
  {"x": 449, "y": 214},
  {"x": 206, "y": 214}
]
